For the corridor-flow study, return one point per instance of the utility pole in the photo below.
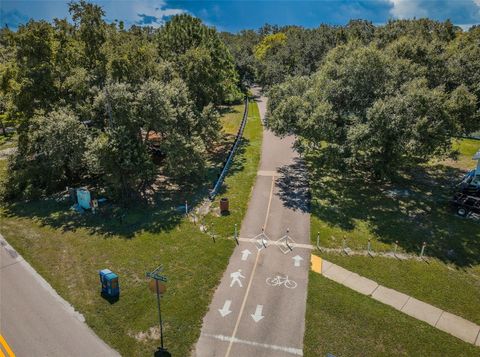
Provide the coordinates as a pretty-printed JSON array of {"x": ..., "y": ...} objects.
[{"x": 157, "y": 277}]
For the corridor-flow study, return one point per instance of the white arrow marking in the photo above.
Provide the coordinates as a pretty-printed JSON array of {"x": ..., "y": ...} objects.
[
  {"x": 245, "y": 254},
  {"x": 257, "y": 316},
  {"x": 226, "y": 308},
  {"x": 297, "y": 260}
]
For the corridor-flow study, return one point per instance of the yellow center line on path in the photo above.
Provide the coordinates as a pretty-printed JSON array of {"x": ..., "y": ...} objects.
[
  {"x": 6, "y": 347},
  {"x": 227, "y": 354},
  {"x": 269, "y": 204},
  {"x": 243, "y": 306}
]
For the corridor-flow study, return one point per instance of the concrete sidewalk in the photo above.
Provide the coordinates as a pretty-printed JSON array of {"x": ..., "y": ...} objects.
[{"x": 442, "y": 320}]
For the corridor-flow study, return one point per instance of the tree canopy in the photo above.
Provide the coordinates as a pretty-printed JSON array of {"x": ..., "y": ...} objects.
[
  {"x": 98, "y": 104},
  {"x": 118, "y": 101},
  {"x": 373, "y": 110}
]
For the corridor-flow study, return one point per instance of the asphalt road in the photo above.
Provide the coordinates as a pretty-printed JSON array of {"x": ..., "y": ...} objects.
[
  {"x": 259, "y": 307},
  {"x": 34, "y": 320}
]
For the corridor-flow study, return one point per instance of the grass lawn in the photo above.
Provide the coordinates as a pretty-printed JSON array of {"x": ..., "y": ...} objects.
[
  {"x": 3, "y": 169},
  {"x": 68, "y": 250},
  {"x": 8, "y": 141},
  {"x": 345, "y": 323},
  {"x": 410, "y": 211}
]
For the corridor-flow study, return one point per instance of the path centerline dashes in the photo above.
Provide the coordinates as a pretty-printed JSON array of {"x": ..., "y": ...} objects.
[{"x": 251, "y": 275}]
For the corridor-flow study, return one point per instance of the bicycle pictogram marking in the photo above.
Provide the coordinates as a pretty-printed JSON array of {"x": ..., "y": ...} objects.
[{"x": 279, "y": 280}]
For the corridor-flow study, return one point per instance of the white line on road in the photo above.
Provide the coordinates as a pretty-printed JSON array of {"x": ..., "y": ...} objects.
[
  {"x": 225, "y": 310},
  {"x": 271, "y": 242},
  {"x": 292, "y": 350},
  {"x": 257, "y": 316}
]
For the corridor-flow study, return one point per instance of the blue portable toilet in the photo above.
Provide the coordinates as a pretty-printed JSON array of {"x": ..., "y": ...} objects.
[
  {"x": 84, "y": 198},
  {"x": 109, "y": 281}
]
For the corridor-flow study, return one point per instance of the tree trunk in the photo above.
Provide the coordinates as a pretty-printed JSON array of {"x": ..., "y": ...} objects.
[{"x": 4, "y": 131}]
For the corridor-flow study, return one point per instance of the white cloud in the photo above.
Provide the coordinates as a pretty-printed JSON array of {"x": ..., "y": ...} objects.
[
  {"x": 142, "y": 12},
  {"x": 146, "y": 12},
  {"x": 403, "y": 9}
]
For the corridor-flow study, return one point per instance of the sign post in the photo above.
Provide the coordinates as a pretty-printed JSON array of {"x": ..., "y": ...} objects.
[{"x": 159, "y": 289}]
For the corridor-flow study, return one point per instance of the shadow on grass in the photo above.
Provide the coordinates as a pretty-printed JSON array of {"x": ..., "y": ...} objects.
[
  {"x": 162, "y": 353},
  {"x": 111, "y": 299},
  {"x": 413, "y": 209},
  {"x": 237, "y": 165},
  {"x": 164, "y": 214}
]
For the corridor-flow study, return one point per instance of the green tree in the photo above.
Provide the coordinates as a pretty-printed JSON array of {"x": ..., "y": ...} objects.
[
  {"x": 51, "y": 158},
  {"x": 201, "y": 58},
  {"x": 35, "y": 88},
  {"x": 184, "y": 133},
  {"x": 118, "y": 156},
  {"x": 371, "y": 110},
  {"x": 463, "y": 58},
  {"x": 91, "y": 27}
]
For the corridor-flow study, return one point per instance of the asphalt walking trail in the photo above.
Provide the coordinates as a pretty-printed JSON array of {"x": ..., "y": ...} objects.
[
  {"x": 35, "y": 320},
  {"x": 259, "y": 307}
]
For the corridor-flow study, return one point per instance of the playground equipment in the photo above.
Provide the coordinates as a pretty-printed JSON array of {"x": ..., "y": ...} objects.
[
  {"x": 467, "y": 198},
  {"x": 470, "y": 183}
]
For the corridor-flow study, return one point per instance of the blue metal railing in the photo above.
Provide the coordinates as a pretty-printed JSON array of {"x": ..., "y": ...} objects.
[{"x": 224, "y": 172}]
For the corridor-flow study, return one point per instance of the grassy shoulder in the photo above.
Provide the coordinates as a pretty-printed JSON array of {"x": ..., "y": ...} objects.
[
  {"x": 414, "y": 209},
  {"x": 345, "y": 323},
  {"x": 8, "y": 141},
  {"x": 68, "y": 250}
]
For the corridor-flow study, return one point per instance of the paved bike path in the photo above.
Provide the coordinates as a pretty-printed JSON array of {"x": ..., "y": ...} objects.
[{"x": 257, "y": 318}]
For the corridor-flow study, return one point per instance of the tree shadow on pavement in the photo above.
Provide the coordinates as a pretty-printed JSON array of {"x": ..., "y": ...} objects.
[{"x": 293, "y": 186}]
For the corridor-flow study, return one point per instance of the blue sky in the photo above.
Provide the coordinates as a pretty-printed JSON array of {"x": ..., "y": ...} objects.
[{"x": 235, "y": 15}]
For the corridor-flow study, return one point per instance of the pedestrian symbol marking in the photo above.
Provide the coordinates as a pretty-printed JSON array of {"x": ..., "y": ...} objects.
[
  {"x": 236, "y": 278},
  {"x": 225, "y": 310},
  {"x": 257, "y": 316},
  {"x": 297, "y": 259},
  {"x": 245, "y": 254},
  {"x": 279, "y": 280}
]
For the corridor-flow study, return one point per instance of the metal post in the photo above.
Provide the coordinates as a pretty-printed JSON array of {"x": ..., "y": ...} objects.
[
  {"x": 186, "y": 207},
  {"x": 159, "y": 315},
  {"x": 318, "y": 241},
  {"x": 286, "y": 239},
  {"x": 423, "y": 249},
  {"x": 369, "y": 247},
  {"x": 395, "y": 248},
  {"x": 235, "y": 234}
]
